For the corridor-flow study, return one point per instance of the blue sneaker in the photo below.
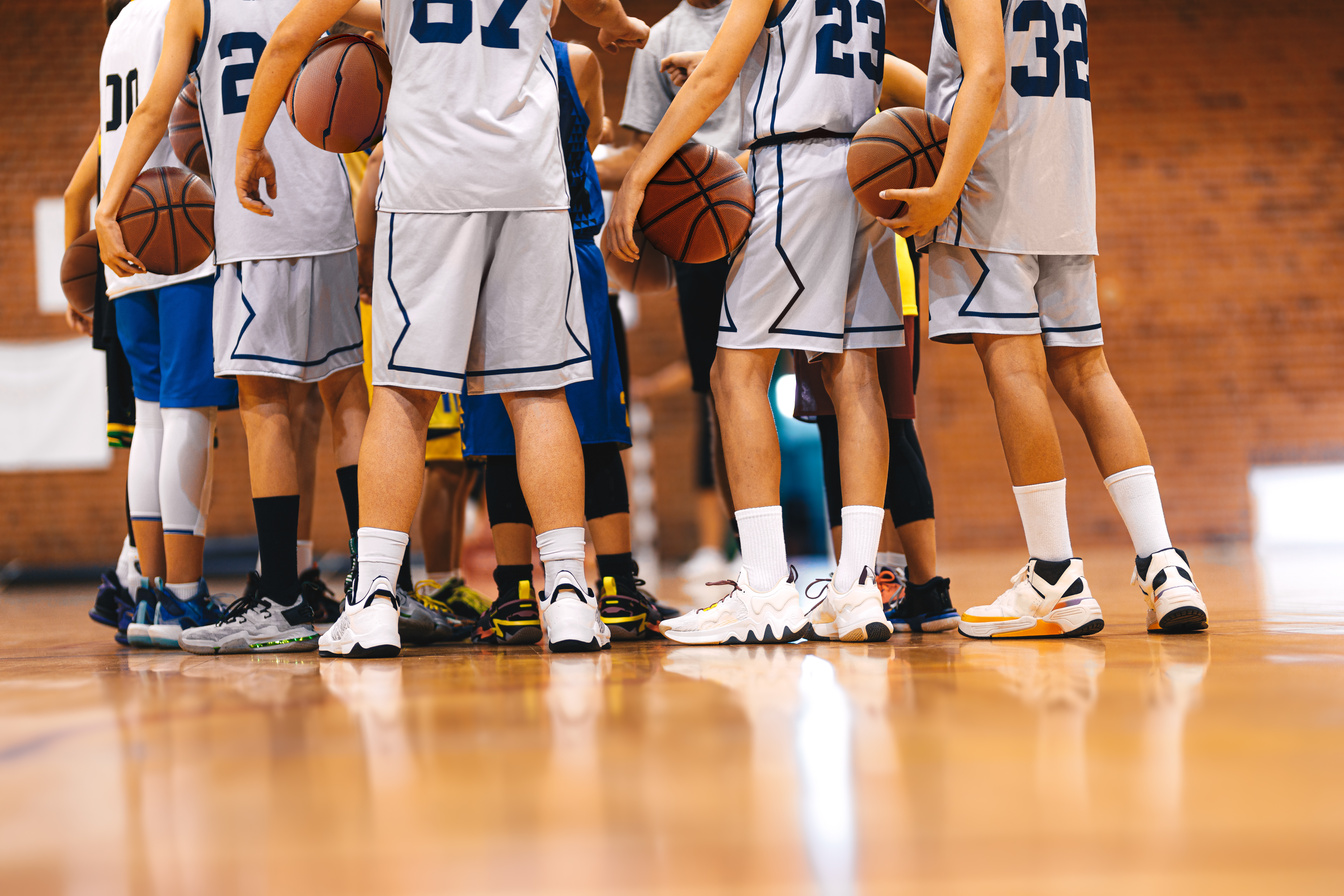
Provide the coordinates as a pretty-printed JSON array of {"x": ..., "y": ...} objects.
[
  {"x": 125, "y": 616},
  {"x": 108, "y": 599},
  {"x": 146, "y": 601},
  {"x": 924, "y": 608},
  {"x": 173, "y": 615}
]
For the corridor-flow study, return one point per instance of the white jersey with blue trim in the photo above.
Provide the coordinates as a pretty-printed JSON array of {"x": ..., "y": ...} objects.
[
  {"x": 313, "y": 215},
  {"x": 817, "y": 66},
  {"x": 473, "y": 120},
  {"x": 130, "y": 56},
  {"x": 1032, "y": 190}
]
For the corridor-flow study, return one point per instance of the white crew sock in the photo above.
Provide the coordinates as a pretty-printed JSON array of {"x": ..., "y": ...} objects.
[
  {"x": 380, "y": 553},
  {"x": 305, "y": 549},
  {"x": 185, "y": 591},
  {"x": 128, "y": 569},
  {"x": 1044, "y": 519},
  {"x": 439, "y": 577},
  {"x": 761, "y": 531},
  {"x": 889, "y": 560},
  {"x": 562, "y": 551},
  {"x": 860, "y": 531},
  {"x": 1135, "y": 494}
]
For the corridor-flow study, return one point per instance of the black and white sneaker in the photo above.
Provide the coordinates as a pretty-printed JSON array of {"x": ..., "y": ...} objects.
[
  {"x": 572, "y": 620},
  {"x": 367, "y": 628},
  {"x": 1174, "y": 602},
  {"x": 255, "y": 624}
]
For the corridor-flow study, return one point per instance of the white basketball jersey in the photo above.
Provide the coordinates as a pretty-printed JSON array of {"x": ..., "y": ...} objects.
[
  {"x": 473, "y": 120},
  {"x": 313, "y": 215},
  {"x": 130, "y": 55},
  {"x": 1032, "y": 190},
  {"x": 816, "y": 66}
]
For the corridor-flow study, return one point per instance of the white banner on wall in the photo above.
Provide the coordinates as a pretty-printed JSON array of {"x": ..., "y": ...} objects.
[
  {"x": 49, "y": 243},
  {"x": 53, "y": 399}
]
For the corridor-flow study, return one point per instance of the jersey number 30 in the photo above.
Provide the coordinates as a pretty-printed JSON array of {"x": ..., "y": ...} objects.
[
  {"x": 1076, "y": 85},
  {"x": 498, "y": 33}
]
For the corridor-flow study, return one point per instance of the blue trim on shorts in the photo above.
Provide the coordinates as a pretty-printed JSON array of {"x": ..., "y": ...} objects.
[
  {"x": 1071, "y": 329},
  {"x": 179, "y": 531},
  {"x": 984, "y": 275},
  {"x": 252, "y": 315}
]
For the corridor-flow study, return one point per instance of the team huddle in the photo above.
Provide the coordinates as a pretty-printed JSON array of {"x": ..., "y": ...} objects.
[{"x": 470, "y": 248}]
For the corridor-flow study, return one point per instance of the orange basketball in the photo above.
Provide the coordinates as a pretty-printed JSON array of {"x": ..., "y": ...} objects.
[
  {"x": 898, "y": 149},
  {"x": 79, "y": 272},
  {"x": 168, "y": 220},
  {"x": 184, "y": 131},
  {"x": 698, "y": 207},
  {"x": 338, "y": 98}
]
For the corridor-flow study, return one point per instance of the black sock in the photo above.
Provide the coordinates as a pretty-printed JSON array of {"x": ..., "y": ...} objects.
[
  {"x": 130, "y": 530},
  {"x": 348, "y": 479},
  {"x": 508, "y": 577},
  {"x": 404, "y": 574},
  {"x": 277, "y": 538},
  {"x": 620, "y": 566}
]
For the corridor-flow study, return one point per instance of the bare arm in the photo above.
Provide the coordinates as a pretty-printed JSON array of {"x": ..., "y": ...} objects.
[
  {"x": 83, "y": 186},
  {"x": 616, "y": 29},
  {"x": 979, "y": 27},
  {"x": 703, "y": 92},
  {"x": 588, "y": 79},
  {"x": 927, "y": 4},
  {"x": 285, "y": 52},
  {"x": 181, "y": 32},
  {"x": 903, "y": 84},
  {"x": 366, "y": 15}
]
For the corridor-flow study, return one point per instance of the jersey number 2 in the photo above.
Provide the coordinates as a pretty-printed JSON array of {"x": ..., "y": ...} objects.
[
  {"x": 233, "y": 99},
  {"x": 1076, "y": 85},
  {"x": 842, "y": 32},
  {"x": 499, "y": 33}
]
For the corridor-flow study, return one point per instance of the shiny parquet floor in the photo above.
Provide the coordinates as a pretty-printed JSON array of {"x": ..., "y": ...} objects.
[{"x": 1127, "y": 763}]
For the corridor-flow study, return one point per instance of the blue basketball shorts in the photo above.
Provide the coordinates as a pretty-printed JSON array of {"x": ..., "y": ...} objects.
[{"x": 167, "y": 335}]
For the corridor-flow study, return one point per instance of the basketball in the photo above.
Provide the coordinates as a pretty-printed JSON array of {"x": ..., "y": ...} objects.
[
  {"x": 168, "y": 220},
  {"x": 898, "y": 149},
  {"x": 650, "y": 274},
  {"x": 698, "y": 207},
  {"x": 184, "y": 132},
  {"x": 338, "y": 98},
  {"x": 79, "y": 272}
]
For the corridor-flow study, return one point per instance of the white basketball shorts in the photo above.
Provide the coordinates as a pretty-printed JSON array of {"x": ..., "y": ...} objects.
[
  {"x": 489, "y": 300},
  {"x": 817, "y": 272},
  {"x": 291, "y": 318},
  {"x": 974, "y": 291}
]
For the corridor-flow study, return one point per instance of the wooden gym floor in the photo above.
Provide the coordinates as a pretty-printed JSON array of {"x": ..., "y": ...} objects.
[{"x": 1122, "y": 763}]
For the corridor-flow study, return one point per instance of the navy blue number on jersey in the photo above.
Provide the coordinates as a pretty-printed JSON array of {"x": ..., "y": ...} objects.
[
  {"x": 132, "y": 85},
  {"x": 498, "y": 32},
  {"x": 1076, "y": 85},
  {"x": 238, "y": 45},
  {"x": 841, "y": 33}
]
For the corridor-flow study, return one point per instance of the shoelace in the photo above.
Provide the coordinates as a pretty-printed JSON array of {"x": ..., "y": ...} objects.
[
  {"x": 239, "y": 607},
  {"x": 424, "y": 593},
  {"x": 815, "y": 582}
]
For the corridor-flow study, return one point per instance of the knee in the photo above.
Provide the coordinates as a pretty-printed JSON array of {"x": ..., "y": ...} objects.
[
  {"x": 740, "y": 373},
  {"x": 850, "y": 374},
  {"x": 1075, "y": 373}
]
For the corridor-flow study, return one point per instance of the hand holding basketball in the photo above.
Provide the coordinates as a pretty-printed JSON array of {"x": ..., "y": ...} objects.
[
  {"x": 254, "y": 165},
  {"x": 925, "y": 209},
  {"x": 619, "y": 237},
  {"x": 112, "y": 247}
]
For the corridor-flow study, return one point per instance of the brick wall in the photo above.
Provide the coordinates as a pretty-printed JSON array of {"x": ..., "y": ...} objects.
[{"x": 1219, "y": 195}]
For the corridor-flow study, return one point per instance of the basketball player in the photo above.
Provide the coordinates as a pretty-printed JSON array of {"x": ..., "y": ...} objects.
[
  {"x": 652, "y": 85},
  {"x": 1012, "y": 218},
  {"x": 284, "y": 300},
  {"x": 473, "y": 224},
  {"x": 816, "y": 273},
  {"x": 164, "y": 325},
  {"x": 597, "y": 405}
]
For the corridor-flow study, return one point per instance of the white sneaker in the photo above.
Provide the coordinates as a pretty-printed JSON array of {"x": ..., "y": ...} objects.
[
  {"x": 855, "y": 615},
  {"x": 1048, "y": 599},
  {"x": 745, "y": 616},
  {"x": 1174, "y": 602},
  {"x": 367, "y": 628},
  {"x": 572, "y": 620}
]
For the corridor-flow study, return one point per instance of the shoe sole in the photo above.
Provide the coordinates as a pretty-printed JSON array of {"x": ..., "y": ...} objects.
[
  {"x": 720, "y": 636},
  {"x": 1181, "y": 621},
  {"x": 283, "y": 645},
  {"x": 575, "y": 646},
  {"x": 925, "y": 624},
  {"x": 358, "y": 651},
  {"x": 1041, "y": 628},
  {"x": 137, "y": 635},
  {"x": 864, "y": 621},
  {"x": 165, "y": 637}
]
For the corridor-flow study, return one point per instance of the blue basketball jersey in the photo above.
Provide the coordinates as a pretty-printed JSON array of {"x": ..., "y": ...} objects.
[{"x": 585, "y": 192}]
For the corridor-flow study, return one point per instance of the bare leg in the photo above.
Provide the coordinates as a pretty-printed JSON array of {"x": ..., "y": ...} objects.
[
  {"x": 1084, "y": 381},
  {"x": 153, "y": 563},
  {"x": 446, "y": 481},
  {"x": 720, "y": 469},
  {"x": 184, "y": 557},
  {"x": 611, "y": 533},
  {"x": 861, "y": 417},
  {"x": 459, "y": 511},
  {"x": 513, "y": 544},
  {"x": 741, "y": 380},
  {"x": 920, "y": 549},
  {"x": 305, "y": 423},
  {"x": 263, "y": 403},
  {"x": 392, "y": 457},
  {"x": 550, "y": 458},
  {"x": 1015, "y": 371},
  {"x": 347, "y": 401}
]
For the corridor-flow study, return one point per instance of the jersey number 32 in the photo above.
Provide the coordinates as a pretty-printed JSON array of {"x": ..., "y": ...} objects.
[{"x": 1077, "y": 84}]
